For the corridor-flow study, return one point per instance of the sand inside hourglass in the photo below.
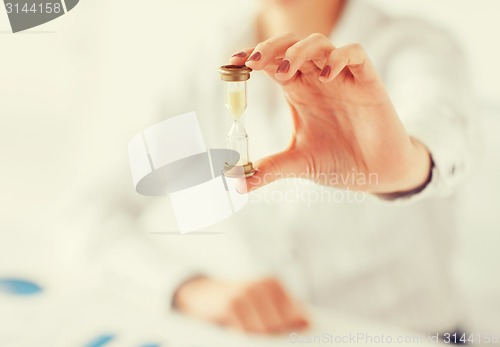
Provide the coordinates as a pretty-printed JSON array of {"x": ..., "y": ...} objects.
[{"x": 236, "y": 103}]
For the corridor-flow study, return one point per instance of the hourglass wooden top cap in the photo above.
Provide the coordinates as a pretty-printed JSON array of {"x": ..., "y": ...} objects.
[{"x": 234, "y": 73}]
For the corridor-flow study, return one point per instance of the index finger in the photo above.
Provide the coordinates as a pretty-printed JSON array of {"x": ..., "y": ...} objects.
[
  {"x": 241, "y": 57},
  {"x": 268, "y": 51}
]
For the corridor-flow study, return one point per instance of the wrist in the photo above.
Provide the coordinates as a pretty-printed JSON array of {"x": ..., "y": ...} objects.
[
  {"x": 421, "y": 170},
  {"x": 418, "y": 172}
]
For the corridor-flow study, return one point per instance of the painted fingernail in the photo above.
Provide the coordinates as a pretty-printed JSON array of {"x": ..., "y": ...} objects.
[
  {"x": 283, "y": 67},
  {"x": 255, "y": 57},
  {"x": 239, "y": 55},
  {"x": 326, "y": 71}
]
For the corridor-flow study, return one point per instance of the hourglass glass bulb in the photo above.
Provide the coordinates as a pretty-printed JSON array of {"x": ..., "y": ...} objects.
[
  {"x": 236, "y": 98},
  {"x": 237, "y": 140}
]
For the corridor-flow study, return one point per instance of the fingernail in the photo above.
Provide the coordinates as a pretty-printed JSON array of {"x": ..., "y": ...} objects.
[
  {"x": 239, "y": 55},
  {"x": 255, "y": 57},
  {"x": 326, "y": 71},
  {"x": 283, "y": 67}
]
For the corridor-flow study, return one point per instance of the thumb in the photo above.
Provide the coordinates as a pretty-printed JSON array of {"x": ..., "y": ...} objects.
[{"x": 272, "y": 168}]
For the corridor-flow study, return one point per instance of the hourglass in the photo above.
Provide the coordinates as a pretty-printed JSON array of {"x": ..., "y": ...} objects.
[{"x": 235, "y": 77}]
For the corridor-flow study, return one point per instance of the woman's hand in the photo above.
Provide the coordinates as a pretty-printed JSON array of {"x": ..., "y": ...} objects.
[
  {"x": 347, "y": 132},
  {"x": 259, "y": 307}
]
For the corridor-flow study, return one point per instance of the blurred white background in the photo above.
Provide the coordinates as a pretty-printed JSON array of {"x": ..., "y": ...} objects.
[{"x": 63, "y": 116}]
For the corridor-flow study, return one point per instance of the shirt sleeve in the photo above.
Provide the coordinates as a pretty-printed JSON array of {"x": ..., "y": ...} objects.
[{"x": 427, "y": 79}]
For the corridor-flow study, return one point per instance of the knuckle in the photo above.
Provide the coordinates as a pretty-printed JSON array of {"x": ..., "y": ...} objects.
[
  {"x": 338, "y": 54},
  {"x": 293, "y": 51},
  {"x": 290, "y": 36},
  {"x": 357, "y": 47},
  {"x": 263, "y": 46},
  {"x": 318, "y": 37}
]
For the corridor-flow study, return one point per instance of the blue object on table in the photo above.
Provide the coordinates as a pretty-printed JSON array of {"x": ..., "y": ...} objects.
[
  {"x": 100, "y": 341},
  {"x": 18, "y": 286}
]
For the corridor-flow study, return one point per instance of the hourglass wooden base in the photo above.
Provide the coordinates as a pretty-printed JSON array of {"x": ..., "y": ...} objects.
[{"x": 237, "y": 171}]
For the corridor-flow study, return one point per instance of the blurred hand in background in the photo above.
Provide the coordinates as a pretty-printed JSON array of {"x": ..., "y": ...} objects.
[{"x": 261, "y": 306}]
